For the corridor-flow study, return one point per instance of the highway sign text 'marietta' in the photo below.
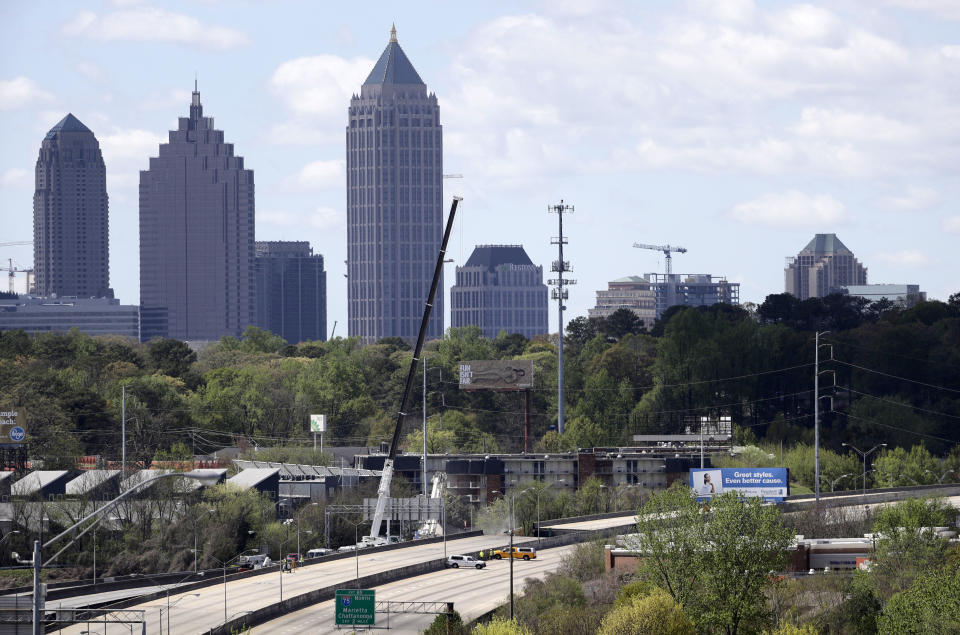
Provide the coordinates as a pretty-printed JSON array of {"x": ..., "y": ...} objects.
[{"x": 355, "y": 607}]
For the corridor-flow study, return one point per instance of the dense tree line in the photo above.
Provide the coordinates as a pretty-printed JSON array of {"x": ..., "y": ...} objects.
[{"x": 894, "y": 379}]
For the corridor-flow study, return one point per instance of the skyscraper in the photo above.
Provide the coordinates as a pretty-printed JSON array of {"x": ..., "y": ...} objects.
[
  {"x": 70, "y": 221},
  {"x": 823, "y": 267},
  {"x": 500, "y": 289},
  {"x": 196, "y": 236},
  {"x": 394, "y": 206},
  {"x": 291, "y": 291}
]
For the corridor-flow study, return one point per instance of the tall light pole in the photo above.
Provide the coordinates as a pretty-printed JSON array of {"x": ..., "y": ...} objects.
[
  {"x": 560, "y": 294},
  {"x": 864, "y": 456},
  {"x": 224, "y": 565},
  {"x": 205, "y": 476},
  {"x": 833, "y": 483},
  {"x": 541, "y": 491},
  {"x": 196, "y": 554},
  {"x": 512, "y": 513}
]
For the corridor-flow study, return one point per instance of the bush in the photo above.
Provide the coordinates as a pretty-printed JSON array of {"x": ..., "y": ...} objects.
[
  {"x": 930, "y": 606},
  {"x": 656, "y": 613},
  {"x": 500, "y": 626},
  {"x": 439, "y": 626},
  {"x": 585, "y": 561}
]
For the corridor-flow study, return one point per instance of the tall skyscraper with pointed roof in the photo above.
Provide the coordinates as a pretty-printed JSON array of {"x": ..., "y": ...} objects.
[
  {"x": 196, "y": 236},
  {"x": 394, "y": 201},
  {"x": 71, "y": 242},
  {"x": 823, "y": 267}
]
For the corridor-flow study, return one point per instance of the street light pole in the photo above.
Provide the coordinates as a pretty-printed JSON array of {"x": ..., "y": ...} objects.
[
  {"x": 864, "y": 456},
  {"x": 541, "y": 491},
  {"x": 205, "y": 476}
]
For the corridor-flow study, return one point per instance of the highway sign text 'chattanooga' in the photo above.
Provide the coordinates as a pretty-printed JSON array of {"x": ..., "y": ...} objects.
[{"x": 355, "y": 607}]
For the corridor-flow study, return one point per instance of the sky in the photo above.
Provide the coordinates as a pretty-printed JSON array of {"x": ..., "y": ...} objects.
[{"x": 733, "y": 128}]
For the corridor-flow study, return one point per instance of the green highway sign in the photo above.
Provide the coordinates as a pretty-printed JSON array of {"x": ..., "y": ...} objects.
[{"x": 355, "y": 607}]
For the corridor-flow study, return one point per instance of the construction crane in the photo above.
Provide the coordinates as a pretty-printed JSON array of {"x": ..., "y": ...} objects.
[
  {"x": 10, "y": 269},
  {"x": 383, "y": 491},
  {"x": 666, "y": 249}
]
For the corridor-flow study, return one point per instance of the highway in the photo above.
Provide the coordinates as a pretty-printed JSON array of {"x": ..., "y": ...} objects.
[
  {"x": 202, "y": 609},
  {"x": 473, "y": 593}
]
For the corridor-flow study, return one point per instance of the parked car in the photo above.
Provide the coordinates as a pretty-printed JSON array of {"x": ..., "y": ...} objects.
[
  {"x": 348, "y": 548},
  {"x": 524, "y": 553},
  {"x": 458, "y": 561},
  {"x": 316, "y": 553}
]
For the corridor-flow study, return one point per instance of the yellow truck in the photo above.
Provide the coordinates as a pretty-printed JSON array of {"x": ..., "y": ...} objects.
[{"x": 524, "y": 553}]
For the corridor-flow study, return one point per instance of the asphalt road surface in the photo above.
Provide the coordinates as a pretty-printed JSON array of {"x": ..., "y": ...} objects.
[
  {"x": 473, "y": 593},
  {"x": 200, "y": 610}
]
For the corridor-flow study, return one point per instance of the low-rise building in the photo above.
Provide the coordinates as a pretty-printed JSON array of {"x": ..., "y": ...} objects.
[
  {"x": 93, "y": 316},
  {"x": 904, "y": 295}
]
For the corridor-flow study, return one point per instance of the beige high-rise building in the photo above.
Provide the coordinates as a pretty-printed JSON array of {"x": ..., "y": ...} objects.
[{"x": 823, "y": 267}]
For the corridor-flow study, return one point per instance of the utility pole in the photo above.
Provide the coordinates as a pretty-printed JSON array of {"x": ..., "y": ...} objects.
[
  {"x": 816, "y": 413},
  {"x": 560, "y": 294},
  {"x": 425, "y": 426},
  {"x": 123, "y": 434}
]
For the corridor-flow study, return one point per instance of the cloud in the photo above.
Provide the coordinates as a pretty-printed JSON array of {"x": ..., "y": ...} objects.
[
  {"x": 165, "y": 100},
  {"x": 792, "y": 209},
  {"x": 121, "y": 145},
  {"x": 325, "y": 218},
  {"x": 915, "y": 198},
  {"x": 148, "y": 24},
  {"x": 321, "y": 175},
  {"x": 946, "y": 9},
  {"x": 20, "y": 92},
  {"x": 832, "y": 124},
  {"x": 905, "y": 258},
  {"x": 89, "y": 70},
  {"x": 14, "y": 177},
  {"x": 319, "y": 85},
  {"x": 951, "y": 225}
]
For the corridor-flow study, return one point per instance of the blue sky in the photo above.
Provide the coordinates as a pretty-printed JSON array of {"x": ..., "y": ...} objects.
[{"x": 736, "y": 129}]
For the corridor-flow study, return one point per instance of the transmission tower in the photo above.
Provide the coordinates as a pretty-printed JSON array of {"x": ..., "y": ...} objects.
[{"x": 560, "y": 266}]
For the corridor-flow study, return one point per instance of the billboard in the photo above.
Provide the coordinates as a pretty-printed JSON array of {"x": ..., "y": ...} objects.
[
  {"x": 496, "y": 375},
  {"x": 12, "y": 428},
  {"x": 769, "y": 483}
]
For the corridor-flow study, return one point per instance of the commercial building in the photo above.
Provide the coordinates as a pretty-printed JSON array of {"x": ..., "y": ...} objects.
[
  {"x": 71, "y": 246},
  {"x": 631, "y": 292},
  {"x": 291, "y": 291},
  {"x": 196, "y": 235},
  {"x": 500, "y": 289},
  {"x": 823, "y": 267},
  {"x": 904, "y": 295},
  {"x": 93, "y": 316},
  {"x": 394, "y": 201}
]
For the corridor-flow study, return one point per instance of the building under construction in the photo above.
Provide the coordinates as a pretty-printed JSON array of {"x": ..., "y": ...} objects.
[{"x": 649, "y": 296}]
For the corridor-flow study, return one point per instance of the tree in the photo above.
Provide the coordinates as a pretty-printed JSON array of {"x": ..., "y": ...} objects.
[
  {"x": 930, "y": 606},
  {"x": 744, "y": 540},
  {"x": 669, "y": 537},
  {"x": 620, "y": 323},
  {"x": 907, "y": 545},
  {"x": 653, "y": 614},
  {"x": 171, "y": 357},
  {"x": 501, "y": 626}
]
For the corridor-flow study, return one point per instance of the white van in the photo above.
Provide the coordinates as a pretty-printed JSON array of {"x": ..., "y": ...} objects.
[{"x": 316, "y": 553}]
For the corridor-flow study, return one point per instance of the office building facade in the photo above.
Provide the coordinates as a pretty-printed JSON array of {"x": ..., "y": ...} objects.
[
  {"x": 823, "y": 267},
  {"x": 71, "y": 242},
  {"x": 630, "y": 292},
  {"x": 291, "y": 291},
  {"x": 394, "y": 145},
  {"x": 196, "y": 235},
  {"x": 93, "y": 316},
  {"x": 902, "y": 295},
  {"x": 500, "y": 289}
]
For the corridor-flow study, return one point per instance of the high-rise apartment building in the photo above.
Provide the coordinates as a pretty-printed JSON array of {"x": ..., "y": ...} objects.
[
  {"x": 500, "y": 289},
  {"x": 394, "y": 201},
  {"x": 291, "y": 291},
  {"x": 823, "y": 267},
  {"x": 70, "y": 221},
  {"x": 196, "y": 236}
]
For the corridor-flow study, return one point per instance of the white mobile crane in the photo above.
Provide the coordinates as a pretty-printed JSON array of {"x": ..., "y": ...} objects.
[
  {"x": 666, "y": 249},
  {"x": 383, "y": 492}
]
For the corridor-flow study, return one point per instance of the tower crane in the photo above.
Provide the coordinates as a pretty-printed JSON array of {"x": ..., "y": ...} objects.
[
  {"x": 666, "y": 249},
  {"x": 10, "y": 268}
]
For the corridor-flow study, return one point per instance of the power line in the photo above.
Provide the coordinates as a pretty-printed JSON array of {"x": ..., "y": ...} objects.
[
  {"x": 897, "y": 403},
  {"x": 884, "y": 425},
  {"x": 913, "y": 381}
]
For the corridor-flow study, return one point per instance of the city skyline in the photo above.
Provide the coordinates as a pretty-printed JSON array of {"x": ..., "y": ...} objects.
[{"x": 732, "y": 124}]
